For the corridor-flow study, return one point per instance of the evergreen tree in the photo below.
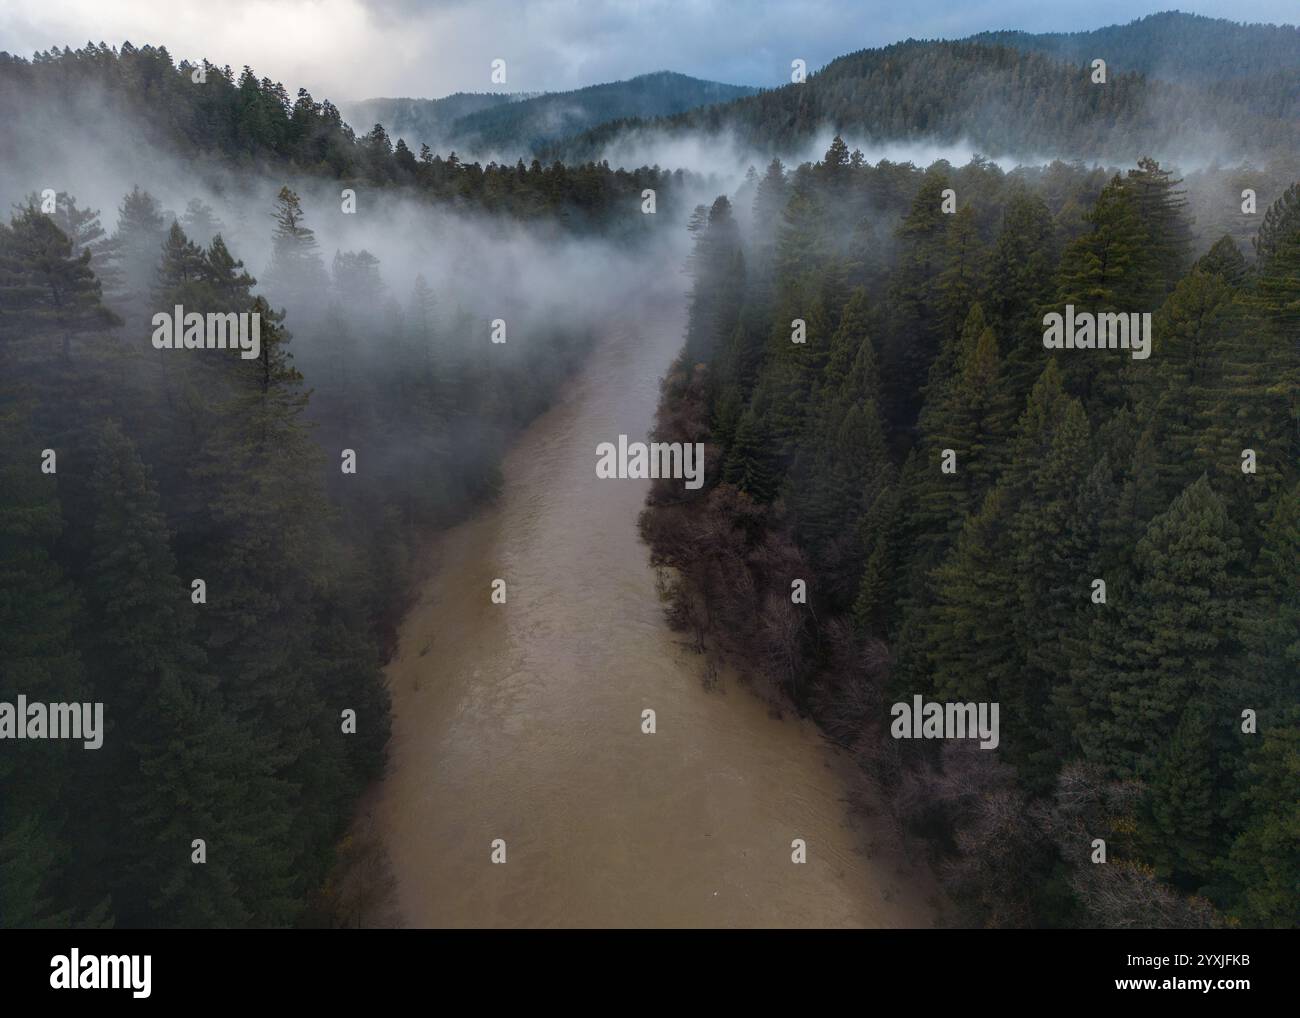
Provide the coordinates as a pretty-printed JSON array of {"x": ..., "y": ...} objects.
[
  {"x": 140, "y": 232},
  {"x": 1105, "y": 270},
  {"x": 200, "y": 221},
  {"x": 46, "y": 291},
  {"x": 1180, "y": 388},
  {"x": 1274, "y": 368},
  {"x": 1163, "y": 642},
  {"x": 296, "y": 273},
  {"x": 968, "y": 413},
  {"x": 962, "y": 277},
  {"x": 1161, "y": 208},
  {"x": 719, "y": 271},
  {"x": 181, "y": 760},
  {"x": 85, "y": 232},
  {"x": 770, "y": 197},
  {"x": 1265, "y": 858},
  {"x": 749, "y": 460},
  {"x": 967, "y": 639},
  {"x": 914, "y": 296},
  {"x": 39, "y": 615},
  {"x": 1179, "y": 835},
  {"x": 1224, "y": 259}
]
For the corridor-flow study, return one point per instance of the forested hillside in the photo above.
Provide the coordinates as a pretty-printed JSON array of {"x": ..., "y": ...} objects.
[
  {"x": 217, "y": 547},
  {"x": 951, "y": 491},
  {"x": 1017, "y": 102},
  {"x": 424, "y": 121},
  {"x": 1173, "y": 46},
  {"x": 522, "y": 125},
  {"x": 240, "y": 123}
]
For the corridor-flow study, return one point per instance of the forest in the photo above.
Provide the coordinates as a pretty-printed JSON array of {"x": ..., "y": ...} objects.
[
  {"x": 1172, "y": 45},
  {"x": 222, "y": 549},
  {"x": 1160, "y": 719},
  {"x": 489, "y": 122},
  {"x": 1009, "y": 100},
  {"x": 195, "y": 555},
  {"x": 206, "y": 116}
]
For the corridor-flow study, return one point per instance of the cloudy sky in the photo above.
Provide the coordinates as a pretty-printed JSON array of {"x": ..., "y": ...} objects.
[{"x": 349, "y": 49}]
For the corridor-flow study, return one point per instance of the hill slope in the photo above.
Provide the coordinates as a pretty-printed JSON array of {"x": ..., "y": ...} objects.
[
  {"x": 422, "y": 120},
  {"x": 1011, "y": 100},
  {"x": 1187, "y": 48},
  {"x": 519, "y": 124}
]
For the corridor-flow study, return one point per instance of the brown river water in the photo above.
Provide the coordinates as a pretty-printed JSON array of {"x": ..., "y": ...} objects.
[{"x": 522, "y": 721}]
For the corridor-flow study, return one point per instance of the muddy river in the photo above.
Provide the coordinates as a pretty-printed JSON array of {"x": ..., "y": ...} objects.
[{"x": 522, "y": 721}]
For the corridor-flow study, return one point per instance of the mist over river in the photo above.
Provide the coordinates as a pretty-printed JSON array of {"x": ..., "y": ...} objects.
[{"x": 522, "y": 721}]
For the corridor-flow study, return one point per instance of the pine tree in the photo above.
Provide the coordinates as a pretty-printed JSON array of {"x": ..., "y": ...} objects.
[
  {"x": 180, "y": 270},
  {"x": 85, "y": 232},
  {"x": 1161, "y": 208},
  {"x": 794, "y": 370},
  {"x": 1053, "y": 549},
  {"x": 770, "y": 197},
  {"x": 719, "y": 280},
  {"x": 1264, "y": 860},
  {"x": 1022, "y": 282},
  {"x": 141, "y": 230},
  {"x": 1224, "y": 259},
  {"x": 840, "y": 484},
  {"x": 876, "y": 609},
  {"x": 962, "y": 277},
  {"x": 200, "y": 221},
  {"x": 1272, "y": 369},
  {"x": 968, "y": 632},
  {"x": 46, "y": 291},
  {"x": 967, "y": 412},
  {"x": 1105, "y": 270},
  {"x": 749, "y": 463},
  {"x": 914, "y": 297},
  {"x": 296, "y": 274},
  {"x": 39, "y": 615},
  {"x": 1021, "y": 267},
  {"x": 1165, "y": 640},
  {"x": 1179, "y": 388},
  {"x": 170, "y": 772},
  {"x": 1180, "y": 825}
]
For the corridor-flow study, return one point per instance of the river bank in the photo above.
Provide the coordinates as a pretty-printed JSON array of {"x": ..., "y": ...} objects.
[{"x": 518, "y": 726}]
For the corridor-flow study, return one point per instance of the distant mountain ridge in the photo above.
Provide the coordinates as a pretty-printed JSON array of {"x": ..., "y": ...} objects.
[
  {"x": 1016, "y": 94},
  {"x": 422, "y": 119},
  {"x": 519, "y": 124},
  {"x": 1172, "y": 46}
]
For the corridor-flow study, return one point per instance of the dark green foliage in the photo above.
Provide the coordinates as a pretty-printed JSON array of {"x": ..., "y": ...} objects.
[
  {"x": 1172, "y": 45},
  {"x": 526, "y": 125},
  {"x": 1003, "y": 94},
  {"x": 224, "y": 714},
  {"x": 238, "y": 117},
  {"x": 1071, "y": 466}
]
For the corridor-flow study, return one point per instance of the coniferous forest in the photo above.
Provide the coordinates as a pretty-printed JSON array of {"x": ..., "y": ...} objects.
[
  {"x": 255, "y": 554},
  {"x": 174, "y": 469},
  {"x": 1172, "y": 479}
]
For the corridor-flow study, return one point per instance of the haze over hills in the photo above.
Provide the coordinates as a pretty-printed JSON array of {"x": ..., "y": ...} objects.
[
  {"x": 902, "y": 488},
  {"x": 423, "y": 120},
  {"x": 1010, "y": 99},
  {"x": 1171, "y": 45},
  {"x": 517, "y": 124}
]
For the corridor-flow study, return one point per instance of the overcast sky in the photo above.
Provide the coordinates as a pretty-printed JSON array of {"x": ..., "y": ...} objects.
[{"x": 351, "y": 49}]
